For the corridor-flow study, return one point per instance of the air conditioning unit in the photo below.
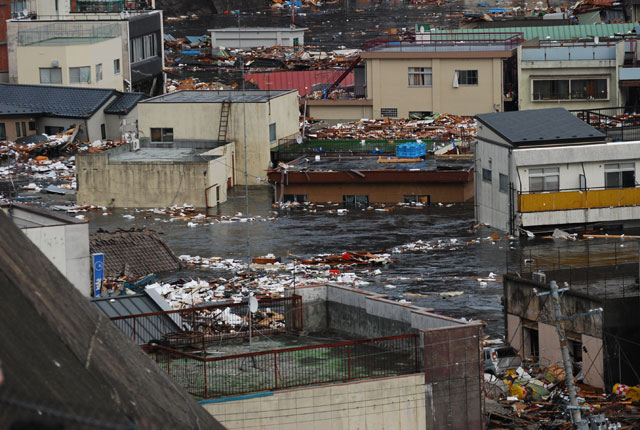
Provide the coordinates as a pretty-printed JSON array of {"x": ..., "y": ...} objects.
[
  {"x": 135, "y": 144},
  {"x": 540, "y": 277}
]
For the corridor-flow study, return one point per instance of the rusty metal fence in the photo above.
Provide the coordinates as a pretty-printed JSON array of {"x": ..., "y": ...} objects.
[
  {"x": 198, "y": 326},
  {"x": 209, "y": 377}
]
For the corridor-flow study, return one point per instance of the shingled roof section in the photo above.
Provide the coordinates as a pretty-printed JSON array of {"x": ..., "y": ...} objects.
[
  {"x": 71, "y": 102},
  {"x": 66, "y": 365},
  {"x": 124, "y": 103},
  {"x": 134, "y": 253}
]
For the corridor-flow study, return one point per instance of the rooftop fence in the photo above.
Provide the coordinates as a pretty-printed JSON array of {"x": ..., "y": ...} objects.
[
  {"x": 66, "y": 30},
  {"x": 617, "y": 123}
]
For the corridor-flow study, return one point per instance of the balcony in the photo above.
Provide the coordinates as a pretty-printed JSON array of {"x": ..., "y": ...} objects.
[{"x": 578, "y": 199}]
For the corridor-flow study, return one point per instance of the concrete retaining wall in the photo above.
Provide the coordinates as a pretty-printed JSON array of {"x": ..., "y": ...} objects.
[{"x": 390, "y": 403}]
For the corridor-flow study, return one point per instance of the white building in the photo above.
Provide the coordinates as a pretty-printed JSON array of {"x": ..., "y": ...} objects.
[
  {"x": 62, "y": 239},
  {"x": 542, "y": 169},
  {"x": 254, "y": 37}
]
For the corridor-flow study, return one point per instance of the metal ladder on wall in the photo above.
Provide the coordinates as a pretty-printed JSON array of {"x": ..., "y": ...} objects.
[{"x": 224, "y": 120}]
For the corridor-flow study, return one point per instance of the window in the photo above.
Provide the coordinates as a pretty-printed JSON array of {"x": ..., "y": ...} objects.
[
  {"x": 420, "y": 76},
  {"x": 272, "y": 133},
  {"x": 32, "y": 125},
  {"x": 24, "y": 128},
  {"x": 98, "y": 72},
  {"x": 486, "y": 175},
  {"x": 103, "y": 131},
  {"x": 570, "y": 89},
  {"x": 52, "y": 75},
  {"x": 504, "y": 183},
  {"x": 80, "y": 75},
  {"x": 3, "y": 131},
  {"x": 162, "y": 135},
  {"x": 467, "y": 77},
  {"x": 545, "y": 179},
  {"x": 355, "y": 200},
  {"x": 619, "y": 175},
  {"x": 18, "y": 129},
  {"x": 144, "y": 47},
  {"x": 389, "y": 112},
  {"x": 298, "y": 198},
  {"x": 116, "y": 66}
]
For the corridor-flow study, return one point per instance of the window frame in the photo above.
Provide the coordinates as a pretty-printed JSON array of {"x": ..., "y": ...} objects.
[
  {"x": 49, "y": 70},
  {"x": 143, "y": 47},
  {"x": 3, "y": 131},
  {"x": 18, "y": 129},
  {"x": 355, "y": 199},
  {"x": 544, "y": 173},
  {"x": 116, "y": 66},
  {"x": 503, "y": 183},
  {"x": 570, "y": 95},
  {"x": 619, "y": 169},
  {"x": 80, "y": 80},
  {"x": 164, "y": 133},
  {"x": 98, "y": 72},
  {"x": 487, "y": 175},
  {"x": 273, "y": 136},
  {"x": 465, "y": 73},
  {"x": 421, "y": 74}
]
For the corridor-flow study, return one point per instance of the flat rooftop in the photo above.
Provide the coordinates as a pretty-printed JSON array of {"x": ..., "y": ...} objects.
[
  {"x": 152, "y": 155},
  {"x": 343, "y": 163},
  {"x": 68, "y": 41},
  {"x": 461, "y": 46},
  {"x": 249, "y": 29},
  {"x": 219, "y": 96}
]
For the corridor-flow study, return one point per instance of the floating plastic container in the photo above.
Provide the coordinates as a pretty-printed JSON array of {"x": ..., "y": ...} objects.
[{"x": 411, "y": 150}]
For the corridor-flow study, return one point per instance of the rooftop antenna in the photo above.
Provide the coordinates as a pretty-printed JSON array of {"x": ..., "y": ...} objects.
[{"x": 253, "y": 308}]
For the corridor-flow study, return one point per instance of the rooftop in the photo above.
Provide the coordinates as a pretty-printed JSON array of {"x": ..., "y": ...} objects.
[
  {"x": 153, "y": 155},
  {"x": 25, "y": 216},
  {"x": 555, "y": 126},
  {"x": 125, "y": 103},
  {"x": 368, "y": 163},
  {"x": 219, "y": 96},
  {"x": 249, "y": 29}
]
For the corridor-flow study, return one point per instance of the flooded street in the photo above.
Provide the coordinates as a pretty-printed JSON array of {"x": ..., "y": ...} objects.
[{"x": 302, "y": 235}]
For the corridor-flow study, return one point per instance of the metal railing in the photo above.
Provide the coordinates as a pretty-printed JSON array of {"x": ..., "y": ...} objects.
[
  {"x": 445, "y": 42},
  {"x": 292, "y": 367},
  {"x": 603, "y": 270},
  {"x": 201, "y": 325},
  {"x": 66, "y": 30},
  {"x": 617, "y": 123}
]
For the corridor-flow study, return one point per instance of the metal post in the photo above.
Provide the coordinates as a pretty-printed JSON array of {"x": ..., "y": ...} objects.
[
  {"x": 134, "y": 329},
  {"x": 275, "y": 367},
  {"x": 206, "y": 383},
  {"x": 566, "y": 359},
  {"x": 349, "y": 362}
]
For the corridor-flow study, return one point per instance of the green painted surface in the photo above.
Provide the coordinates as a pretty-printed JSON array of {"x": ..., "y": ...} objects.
[{"x": 559, "y": 32}]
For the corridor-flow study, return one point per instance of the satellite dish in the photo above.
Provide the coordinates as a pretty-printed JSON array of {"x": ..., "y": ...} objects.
[
  {"x": 253, "y": 304},
  {"x": 299, "y": 139}
]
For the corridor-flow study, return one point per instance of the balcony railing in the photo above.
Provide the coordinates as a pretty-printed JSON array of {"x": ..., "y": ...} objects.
[{"x": 578, "y": 199}]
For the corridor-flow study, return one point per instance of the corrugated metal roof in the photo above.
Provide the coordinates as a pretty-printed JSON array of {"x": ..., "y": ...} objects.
[
  {"x": 303, "y": 81},
  {"x": 558, "y": 32}
]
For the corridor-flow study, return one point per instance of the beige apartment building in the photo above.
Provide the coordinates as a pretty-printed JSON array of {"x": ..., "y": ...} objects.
[{"x": 413, "y": 79}]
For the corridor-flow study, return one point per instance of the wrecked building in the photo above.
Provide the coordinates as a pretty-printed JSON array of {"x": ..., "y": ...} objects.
[
  {"x": 362, "y": 180},
  {"x": 38, "y": 109}
]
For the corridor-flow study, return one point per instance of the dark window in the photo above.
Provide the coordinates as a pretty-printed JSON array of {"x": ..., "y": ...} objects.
[
  {"x": 544, "y": 179},
  {"x": 24, "y": 128},
  {"x": 144, "y": 47},
  {"x": 162, "y": 135},
  {"x": 116, "y": 66},
  {"x": 17, "y": 129},
  {"x": 389, "y": 112},
  {"x": 103, "y": 131},
  {"x": 411, "y": 199},
  {"x": 620, "y": 175},
  {"x": 504, "y": 183},
  {"x": 486, "y": 175},
  {"x": 467, "y": 77},
  {"x": 32, "y": 125},
  {"x": 355, "y": 200},
  {"x": 50, "y": 75},
  {"x": 51, "y": 130},
  {"x": 570, "y": 89},
  {"x": 298, "y": 198},
  {"x": 3, "y": 131},
  {"x": 272, "y": 133}
]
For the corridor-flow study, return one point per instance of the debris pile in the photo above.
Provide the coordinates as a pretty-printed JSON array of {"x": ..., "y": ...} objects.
[
  {"x": 172, "y": 85},
  {"x": 38, "y": 145},
  {"x": 444, "y": 127}
]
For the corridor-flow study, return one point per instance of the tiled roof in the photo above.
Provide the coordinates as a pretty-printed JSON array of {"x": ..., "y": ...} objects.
[
  {"x": 124, "y": 103},
  {"x": 7, "y": 109},
  {"x": 52, "y": 100},
  {"x": 540, "y": 127},
  {"x": 133, "y": 253}
]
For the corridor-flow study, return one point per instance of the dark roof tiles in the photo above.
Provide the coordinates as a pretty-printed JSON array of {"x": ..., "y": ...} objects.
[{"x": 124, "y": 103}]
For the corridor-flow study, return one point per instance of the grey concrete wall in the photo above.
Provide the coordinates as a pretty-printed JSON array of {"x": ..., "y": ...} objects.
[{"x": 314, "y": 307}]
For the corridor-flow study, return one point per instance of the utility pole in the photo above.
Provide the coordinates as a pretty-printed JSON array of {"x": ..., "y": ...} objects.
[{"x": 574, "y": 408}]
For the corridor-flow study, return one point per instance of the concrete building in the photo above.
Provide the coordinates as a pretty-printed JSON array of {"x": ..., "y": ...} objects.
[
  {"x": 255, "y": 37},
  {"x": 574, "y": 76},
  {"x": 417, "y": 78},
  {"x": 540, "y": 169},
  {"x": 36, "y": 109},
  {"x": 199, "y": 174},
  {"x": 363, "y": 180},
  {"x": 121, "y": 51},
  {"x": 62, "y": 239},
  {"x": 209, "y": 117},
  {"x": 603, "y": 344}
]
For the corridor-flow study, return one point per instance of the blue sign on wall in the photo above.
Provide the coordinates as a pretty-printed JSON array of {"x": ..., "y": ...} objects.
[{"x": 97, "y": 263}]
